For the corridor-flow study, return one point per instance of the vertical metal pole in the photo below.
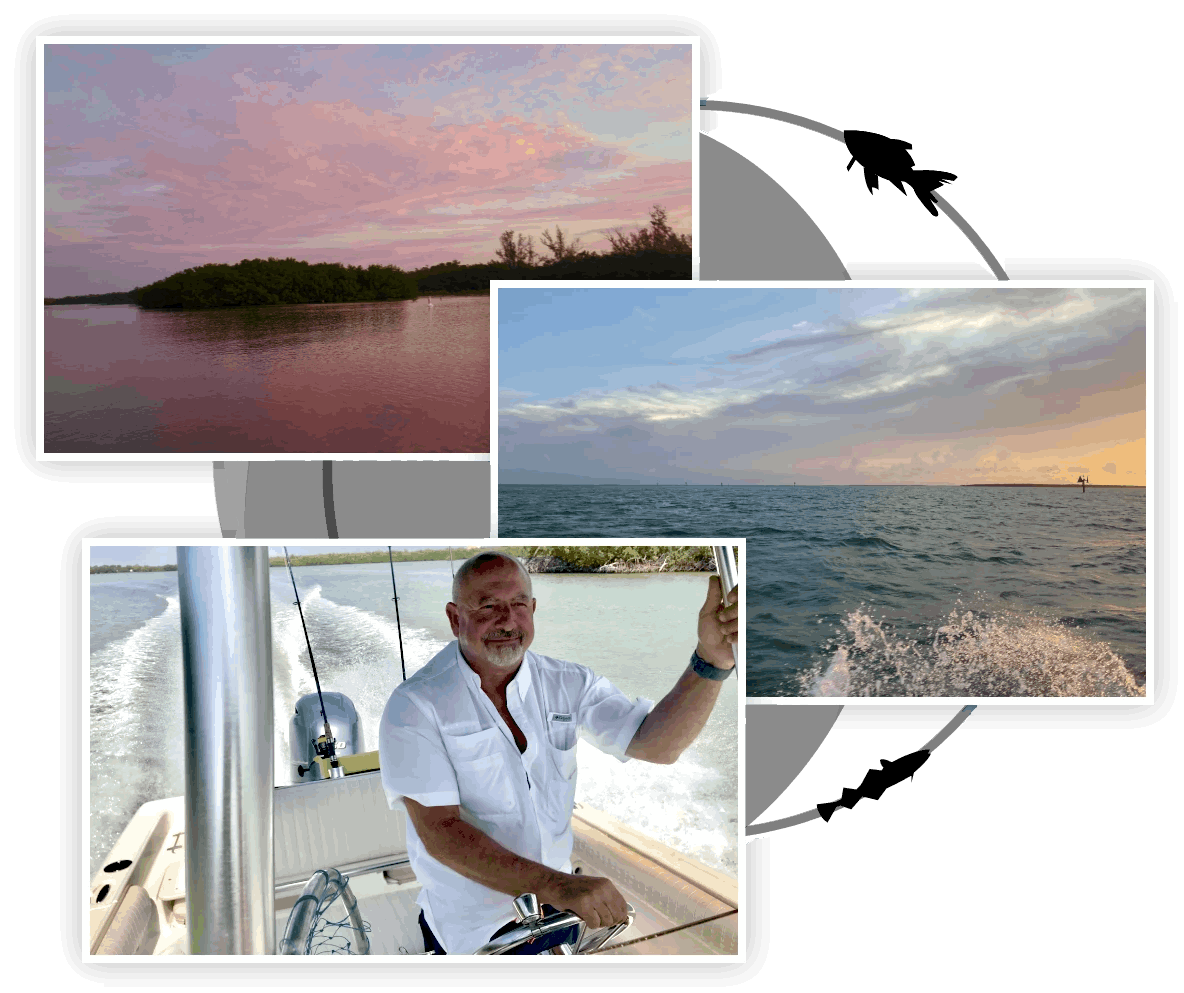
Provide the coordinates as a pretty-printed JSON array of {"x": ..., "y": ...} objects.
[
  {"x": 226, "y": 648},
  {"x": 725, "y": 565}
]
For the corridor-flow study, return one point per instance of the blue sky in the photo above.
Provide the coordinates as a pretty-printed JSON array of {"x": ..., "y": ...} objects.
[{"x": 845, "y": 385}]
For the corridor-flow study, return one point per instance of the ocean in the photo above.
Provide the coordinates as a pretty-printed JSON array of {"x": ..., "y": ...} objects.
[
  {"x": 637, "y": 630},
  {"x": 924, "y": 591}
]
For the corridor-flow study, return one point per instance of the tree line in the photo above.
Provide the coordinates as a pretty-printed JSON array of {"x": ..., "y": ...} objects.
[
  {"x": 543, "y": 558},
  {"x": 96, "y": 570},
  {"x": 623, "y": 558},
  {"x": 652, "y": 252},
  {"x": 326, "y": 559}
]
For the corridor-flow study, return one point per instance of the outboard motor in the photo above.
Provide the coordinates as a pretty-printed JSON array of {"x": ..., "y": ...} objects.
[{"x": 307, "y": 726}]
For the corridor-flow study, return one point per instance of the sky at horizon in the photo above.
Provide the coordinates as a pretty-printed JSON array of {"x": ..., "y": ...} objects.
[
  {"x": 167, "y": 554},
  {"x": 163, "y": 157},
  {"x": 825, "y": 386}
]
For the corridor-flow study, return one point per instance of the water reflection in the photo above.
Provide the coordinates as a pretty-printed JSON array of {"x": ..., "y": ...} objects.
[{"x": 342, "y": 378}]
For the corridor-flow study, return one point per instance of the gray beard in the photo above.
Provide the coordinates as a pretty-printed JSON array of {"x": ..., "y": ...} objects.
[{"x": 505, "y": 656}]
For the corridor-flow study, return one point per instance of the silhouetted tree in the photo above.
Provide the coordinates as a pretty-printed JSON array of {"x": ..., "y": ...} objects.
[
  {"x": 560, "y": 249},
  {"x": 658, "y": 237},
  {"x": 653, "y": 252},
  {"x": 518, "y": 253}
]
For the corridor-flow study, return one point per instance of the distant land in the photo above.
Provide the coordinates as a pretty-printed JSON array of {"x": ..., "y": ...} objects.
[
  {"x": 560, "y": 480},
  {"x": 651, "y": 252},
  {"x": 539, "y": 558},
  {"x": 327, "y": 558},
  {"x": 1061, "y": 486}
]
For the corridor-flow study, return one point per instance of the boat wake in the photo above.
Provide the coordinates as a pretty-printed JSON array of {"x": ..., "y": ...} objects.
[
  {"x": 356, "y": 652},
  {"x": 973, "y": 654}
]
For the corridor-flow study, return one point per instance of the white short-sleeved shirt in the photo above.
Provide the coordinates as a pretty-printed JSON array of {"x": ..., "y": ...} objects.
[{"x": 442, "y": 742}]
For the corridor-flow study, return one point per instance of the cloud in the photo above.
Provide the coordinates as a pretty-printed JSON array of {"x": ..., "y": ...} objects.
[
  {"x": 1110, "y": 467},
  {"x": 948, "y": 386}
]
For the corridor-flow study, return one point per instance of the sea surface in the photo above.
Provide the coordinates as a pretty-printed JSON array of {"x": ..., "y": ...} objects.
[
  {"x": 930, "y": 591},
  {"x": 636, "y": 630},
  {"x": 399, "y": 376}
]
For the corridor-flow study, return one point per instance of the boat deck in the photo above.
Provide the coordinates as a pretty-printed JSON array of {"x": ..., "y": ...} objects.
[
  {"x": 138, "y": 899},
  {"x": 392, "y": 917}
]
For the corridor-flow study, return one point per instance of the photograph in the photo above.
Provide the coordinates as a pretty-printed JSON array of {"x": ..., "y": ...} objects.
[
  {"x": 944, "y": 487},
  {"x": 414, "y": 750},
  {"x": 276, "y": 250}
]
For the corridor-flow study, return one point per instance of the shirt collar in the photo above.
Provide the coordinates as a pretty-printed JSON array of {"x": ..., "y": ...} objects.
[{"x": 521, "y": 681}]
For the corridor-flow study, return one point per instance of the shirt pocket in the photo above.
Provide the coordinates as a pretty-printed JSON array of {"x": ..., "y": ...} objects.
[
  {"x": 482, "y": 777},
  {"x": 560, "y": 797},
  {"x": 562, "y": 731}
]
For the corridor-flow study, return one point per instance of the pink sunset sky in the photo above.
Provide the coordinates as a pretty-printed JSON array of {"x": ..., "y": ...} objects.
[{"x": 163, "y": 157}]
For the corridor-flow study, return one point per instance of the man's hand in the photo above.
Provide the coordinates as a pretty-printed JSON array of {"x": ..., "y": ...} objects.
[
  {"x": 719, "y": 625},
  {"x": 593, "y": 898}
]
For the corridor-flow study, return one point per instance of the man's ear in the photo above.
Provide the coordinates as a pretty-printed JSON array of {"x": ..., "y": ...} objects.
[{"x": 453, "y": 617}]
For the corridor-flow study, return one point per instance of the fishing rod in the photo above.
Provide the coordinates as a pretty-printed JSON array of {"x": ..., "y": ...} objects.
[
  {"x": 326, "y": 746},
  {"x": 398, "y": 627},
  {"x": 725, "y": 565}
]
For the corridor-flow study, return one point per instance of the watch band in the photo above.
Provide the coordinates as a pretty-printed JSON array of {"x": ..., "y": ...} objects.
[{"x": 708, "y": 671}]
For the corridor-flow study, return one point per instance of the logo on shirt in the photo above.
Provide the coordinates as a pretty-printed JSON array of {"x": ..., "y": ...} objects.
[{"x": 561, "y": 718}]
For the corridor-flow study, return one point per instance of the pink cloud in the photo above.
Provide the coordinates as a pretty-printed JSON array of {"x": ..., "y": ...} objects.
[{"x": 331, "y": 153}]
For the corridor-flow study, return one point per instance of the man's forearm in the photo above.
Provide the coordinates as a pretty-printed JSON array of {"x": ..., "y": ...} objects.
[
  {"x": 472, "y": 853},
  {"x": 676, "y": 721}
]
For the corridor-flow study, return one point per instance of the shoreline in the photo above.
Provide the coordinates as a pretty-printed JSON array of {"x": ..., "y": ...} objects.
[
  {"x": 602, "y": 559},
  {"x": 543, "y": 564},
  {"x": 68, "y": 302},
  {"x": 1063, "y": 486}
]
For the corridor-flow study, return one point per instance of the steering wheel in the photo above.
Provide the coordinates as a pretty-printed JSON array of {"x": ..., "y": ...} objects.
[{"x": 532, "y": 925}]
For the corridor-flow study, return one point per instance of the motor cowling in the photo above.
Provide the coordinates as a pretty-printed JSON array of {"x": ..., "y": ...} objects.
[{"x": 307, "y": 726}]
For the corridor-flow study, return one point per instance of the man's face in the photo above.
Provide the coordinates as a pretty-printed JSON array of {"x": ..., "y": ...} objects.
[{"x": 494, "y": 620}]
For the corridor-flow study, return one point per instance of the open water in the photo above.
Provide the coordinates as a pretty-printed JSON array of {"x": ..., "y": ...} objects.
[
  {"x": 931, "y": 591},
  {"x": 637, "y": 630},
  {"x": 400, "y": 376}
]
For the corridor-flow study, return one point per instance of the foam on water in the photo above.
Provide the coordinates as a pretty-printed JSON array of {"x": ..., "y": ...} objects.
[
  {"x": 137, "y": 715},
  {"x": 973, "y": 654},
  {"x": 138, "y": 759},
  {"x": 682, "y": 805}
]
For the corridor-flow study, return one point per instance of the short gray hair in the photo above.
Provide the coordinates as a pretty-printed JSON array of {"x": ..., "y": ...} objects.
[{"x": 471, "y": 565}]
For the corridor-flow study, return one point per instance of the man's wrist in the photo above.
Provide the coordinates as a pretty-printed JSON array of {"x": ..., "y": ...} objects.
[
  {"x": 710, "y": 667},
  {"x": 714, "y": 659}
]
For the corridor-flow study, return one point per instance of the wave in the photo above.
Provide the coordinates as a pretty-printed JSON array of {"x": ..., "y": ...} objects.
[{"x": 970, "y": 655}]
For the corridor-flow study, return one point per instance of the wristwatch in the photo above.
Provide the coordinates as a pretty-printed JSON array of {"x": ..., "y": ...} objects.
[{"x": 708, "y": 671}]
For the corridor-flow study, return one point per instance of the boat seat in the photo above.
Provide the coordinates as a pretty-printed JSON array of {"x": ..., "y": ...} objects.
[
  {"x": 134, "y": 920},
  {"x": 345, "y": 824}
]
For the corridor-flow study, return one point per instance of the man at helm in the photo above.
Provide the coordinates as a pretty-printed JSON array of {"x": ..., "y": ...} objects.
[{"x": 480, "y": 747}]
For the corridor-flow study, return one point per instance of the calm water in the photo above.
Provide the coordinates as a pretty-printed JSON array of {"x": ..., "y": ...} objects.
[
  {"x": 136, "y": 696},
  {"x": 903, "y": 591},
  {"x": 349, "y": 378}
]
